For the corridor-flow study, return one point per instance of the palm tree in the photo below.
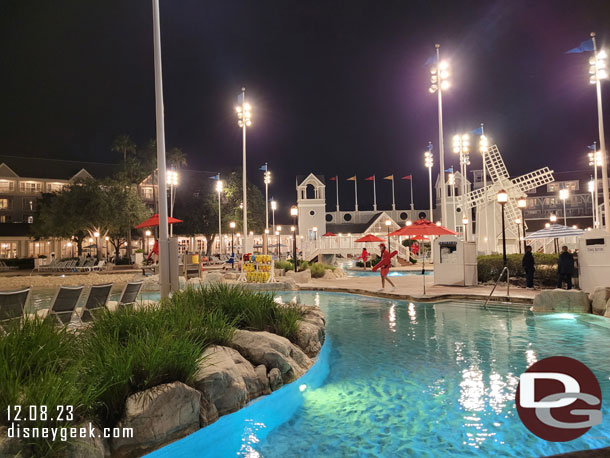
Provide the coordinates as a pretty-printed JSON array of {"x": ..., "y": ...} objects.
[
  {"x": 124, "y": 144},
  {"x": 176, "y": 158}
]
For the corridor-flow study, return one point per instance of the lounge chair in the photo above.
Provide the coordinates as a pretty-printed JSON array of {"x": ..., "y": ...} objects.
[
  {"x": 99, "y": 266},
  {"x": 12, "y": 305},
  {"x": 97, "y": 299},
  {"x": 128, "y": 295},
  {"x": 64, "y": 303},
  {"x": 86, "y": 267}
]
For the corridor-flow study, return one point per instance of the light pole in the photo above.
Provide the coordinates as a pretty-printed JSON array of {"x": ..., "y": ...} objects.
[
  {"x": 278, "y": 230},
  {"x": 267, "y": 182},
  {"x": 461, "y": 145},
  {"x": 147, "y": 234},
  {"x": 451, "y": 181},
  {"x": 97, "y": 247},
  {"x": 429, "y": 163},
  {"x": 273, "y": 208},
  {"x": 483, "y": 146},
  {"x": 553, "y": 219},
  {"x": 439, "y": 80},
  {"x": 388, "y": 223},
  {"x": 522, "y": 203},
  {"x": 106, "y": 239},
  {"x": 160, "y": 124},
  {"x": 465, "y": 224},
  {"x": 172, "y": 181},
  {"x": 598, "y": 72},
  {"x": 232, "y": 226},
  {"x": 595, "y": 160},
  {"x": 244, "y": 120},
  {"x": 518, "y": 223},
  {"x": 219, "y": 188},
  {"x": 294, "y": 212},
  {"x": 502, "y": 199},
  {"x": 266, "y": 241},
  {"x": 563, "y": 195},
  {"x": 591, "y": 186}
]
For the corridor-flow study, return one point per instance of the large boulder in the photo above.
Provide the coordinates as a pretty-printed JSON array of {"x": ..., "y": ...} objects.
[
  {"x": 329, "y": 275},
  {"x": 559, "y": 300},
  {"x": 228, "y": 379},
  {"x": 158, "y": 416},
  {"x": 340, "y": 273},
  {"x": 208, "y": 413},
  {"x": 599, "y": 298},
  {"x": 275, "y": 379},
  {"x": 310, "y": 335},
  {"x": 607, "y": 312},
  {"x": 299, "y": 277},
  {"x": 273, "y": 351}
]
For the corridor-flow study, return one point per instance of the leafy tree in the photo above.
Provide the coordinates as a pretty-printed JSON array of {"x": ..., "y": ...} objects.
[
  {"x": 176, "y": 158},
  {"x": 125, "y": 145},
  {"x": 73, "y": 213}
]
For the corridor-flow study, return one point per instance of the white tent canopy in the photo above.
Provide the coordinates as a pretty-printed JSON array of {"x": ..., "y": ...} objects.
[{"x": 554, "y": 232}]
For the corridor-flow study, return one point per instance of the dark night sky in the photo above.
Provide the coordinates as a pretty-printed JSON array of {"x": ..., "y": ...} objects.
[{"x": 337, "y": 86}]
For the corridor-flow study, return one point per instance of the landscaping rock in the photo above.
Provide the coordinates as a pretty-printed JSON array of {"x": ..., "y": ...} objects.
[
  {"x": 208, "y": 413},
  {"x": 340, "y": 273},
  {"x": 194, "y": 282},
  {"x": 213, "y": 277},
  {"x": 273, "y": 351},
  {"x": 299, "y": 277},
  {"x": 310, "y": 336},
  {"x": 158, "y": 416},
  {"x": 329, "y": 275},
  {"x": 599, "y": 298},
  {"x": 261, "y": 373},
  {"x": 149, "y": 283},
  {"x": 607, "y": 312},
  {"x": 275, "y": 379},
  {"x": 228, "y": 379},
  {"x": 559, "y": 300},
  {"x": 90, "y": 447}
]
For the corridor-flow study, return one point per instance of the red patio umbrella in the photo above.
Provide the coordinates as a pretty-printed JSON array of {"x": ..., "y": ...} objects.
[
  {"x": 153, "y": 221},
  {"x": 329, "y": 234},
  {"x": 369, "y": 238},
  {"x": 422, "y": 228}
]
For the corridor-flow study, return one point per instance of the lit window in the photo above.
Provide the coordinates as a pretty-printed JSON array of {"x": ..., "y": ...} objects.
[
  {"x": 55, "y": 187},
  {"x": 5, "y": 204},
  {"x": 30, "y": 186},
  {"x": 7, "y": 185}
]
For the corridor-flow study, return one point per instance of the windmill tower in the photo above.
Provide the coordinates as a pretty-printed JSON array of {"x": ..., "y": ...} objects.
[{"x": 515, "y": 187}]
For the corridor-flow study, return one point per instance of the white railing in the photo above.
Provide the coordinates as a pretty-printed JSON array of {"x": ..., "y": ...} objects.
[{"x": 347, "y": 245}]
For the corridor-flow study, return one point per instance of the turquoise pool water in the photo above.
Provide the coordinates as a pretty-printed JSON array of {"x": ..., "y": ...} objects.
[
  {"x": 395, "y": 273},
  {"x": 41, "y": 298},
  {"x": 400, "y": 379}
]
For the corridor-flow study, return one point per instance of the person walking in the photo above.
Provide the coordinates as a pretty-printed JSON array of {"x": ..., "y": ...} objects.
[
  {"x": 529, "y": 265},
  {"x": 384, "y": 266},
  {"x": 565, "y": 268},
  {"x": 364, "y": 256}
]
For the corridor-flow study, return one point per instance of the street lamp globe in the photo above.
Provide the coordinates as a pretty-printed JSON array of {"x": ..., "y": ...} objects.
[
  {"x": 522, "y": 203},
  {"x": 273, "y": 205},
  {"x": 553, "y": 217},
  {"x": 147, "y": 233},
  {"x": 279, "y": 228},
  {"x": 547, "y": 225},
  {"x": 591, "y": 186},
  {"x": 388, "y": 222},
  {"x": 96, "y": 234},
  {"x": 267, "y": 177},
  {"x": 294, "y": 211},
  {"x": 292, "y": 228},
  {"x": 564, "y": 194},
  {"x": 502, "y": 197},
  {"x": 219, "y": 186},
  {"x": 464, "y": 221},
  {"x": 232, "y": 224}
]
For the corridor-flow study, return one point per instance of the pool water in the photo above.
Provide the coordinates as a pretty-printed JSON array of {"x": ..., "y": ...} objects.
[
  {"x": 41, "y": 298},
  {"x": 407, "y": 379},
  {"x": 393, "y": 273}
]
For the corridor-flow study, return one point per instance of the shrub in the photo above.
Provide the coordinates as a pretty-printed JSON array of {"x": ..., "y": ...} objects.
[
  {"x": 489, "y": 267},
  {"x": 286, "y": 265},
  {"x": 317, "y": 270}
]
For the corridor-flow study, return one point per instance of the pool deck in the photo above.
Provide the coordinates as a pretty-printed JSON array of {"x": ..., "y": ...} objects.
[{"x": 410, "y": 287}]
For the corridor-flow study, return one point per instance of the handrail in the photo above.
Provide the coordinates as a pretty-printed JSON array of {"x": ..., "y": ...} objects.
[{"x": 496, "y": 284}]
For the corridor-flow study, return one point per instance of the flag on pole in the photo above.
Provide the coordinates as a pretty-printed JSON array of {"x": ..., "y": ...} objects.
[
  {"x": 477, "y": 131},
  {"x": 333, "y": 178},
  {"x": 449, "y": 170},
  {"x": 408, "y": 177},
  {"x": 430, "y": 60},
  {"x": 389, "y": 177},
  {"x": 215, "y": 177},
  {"x": 352, "y": 178},
  {"x": 371, "y": 178},
  {"x": 263, "y": 167},
  {"x": 585, "y": 46},
  {"x": 592, "y": 147},
  {"x": 429, "y": 146},
  {"x": 240, "y": 98}
]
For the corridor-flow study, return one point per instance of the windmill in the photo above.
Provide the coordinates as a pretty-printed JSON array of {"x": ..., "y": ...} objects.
[{"x": 515, "y": 187}]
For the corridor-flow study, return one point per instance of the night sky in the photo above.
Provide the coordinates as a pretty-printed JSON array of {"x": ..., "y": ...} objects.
[{"x": 337, "y": 86}]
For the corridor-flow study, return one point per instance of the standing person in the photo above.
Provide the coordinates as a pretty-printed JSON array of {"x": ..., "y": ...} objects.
[
  {"x": 384, "y": 266},
  {"x": 529, "y": 265},
  {"x": 565, "y": 268},
  {"x": 364, "y": 256}
]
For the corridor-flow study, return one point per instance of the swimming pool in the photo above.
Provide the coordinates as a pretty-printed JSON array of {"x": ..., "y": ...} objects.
[
  {"x": 393, "y": 273},
  {"x": 407, "y": 379}
]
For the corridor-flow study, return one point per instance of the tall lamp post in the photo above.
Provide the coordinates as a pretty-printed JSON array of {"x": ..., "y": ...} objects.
[
  {"x": 294, "y": 212},
  {"x": 439, "y": 81},
  {"x": 219, "y": 187},
  {"x": 483, "y": 146},
  {"x": 267, "y": 182},
  {"x": 232, "y": 226},
  {"x": 278, "y": 231},
  {"x": 429, "y": 163},
  {"x": 563, "y": 195},
  {"x": 518, "y": 223},
  {"x": 244, "y": 120},
  {"x": 598, "y": 72},
  {"x": 273, "y": 208},
  {"x": 553, "y": 220},
  {"x": 388, "y": 223},
  {"x": 592, "y": 190},
  {"x": 97, "y": 246},
  {"x": 451, "y": 181},
  {"x": 172, "y": 181},
  {"x": 461, "y": 145},
  {"x": 522, "y": 203},
  {"x": 502, "y": 200},
  {"x": 595, "y": 160}
]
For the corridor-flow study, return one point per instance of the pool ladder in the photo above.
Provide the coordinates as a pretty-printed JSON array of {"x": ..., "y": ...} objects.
[{"x": 505, "y": 269}]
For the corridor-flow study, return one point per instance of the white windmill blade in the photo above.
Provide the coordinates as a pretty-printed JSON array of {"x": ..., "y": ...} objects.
[
  {"x": 478, "y": 196},
  {"x": 533, "y": 179},
  {"x": 495, "y": 164}
]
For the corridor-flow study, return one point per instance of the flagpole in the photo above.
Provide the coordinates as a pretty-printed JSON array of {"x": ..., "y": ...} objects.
[
  {"x": 602, "y": 140},
  {"x": 337, "y": 183},
  {"x": 374, "y": 195},
  {"x": 411, "y": 181},
  {"x": 440, "y": 142},
  {"x": 486, "y": 202},
  {"x": 356, "y": 191},
  {"x": 393, "y": 199},
  {"x": 596, "y": 193},
  {"x": 266, "y": 197}
]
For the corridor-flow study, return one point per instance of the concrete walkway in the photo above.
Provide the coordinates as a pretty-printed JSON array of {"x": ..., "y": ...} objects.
[{"x": 410, "y": 287}]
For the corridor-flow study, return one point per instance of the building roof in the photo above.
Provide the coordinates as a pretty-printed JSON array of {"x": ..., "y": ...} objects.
[
  {"x": 14, "y": 229},
  {"x": 352, "y": 228},
  {"x": 301, "y": 178},
  {"x": 58, "y": 169}
]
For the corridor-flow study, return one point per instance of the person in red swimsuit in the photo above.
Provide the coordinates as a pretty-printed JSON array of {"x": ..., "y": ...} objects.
[
  {"x": 384, "y": 266},
  {"x": 364, "y": 256}
]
